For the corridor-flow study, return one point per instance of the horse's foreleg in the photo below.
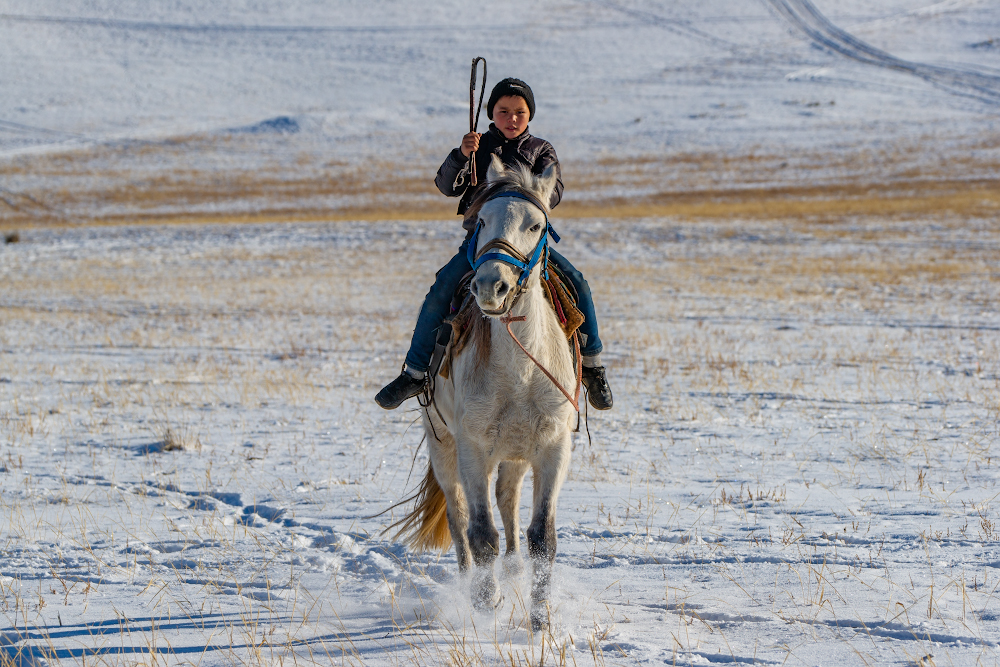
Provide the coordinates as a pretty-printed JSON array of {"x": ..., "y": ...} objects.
[
  {"x": 510, "y": 478},
  {"x": 549, "y": 472},
  {"x": 484, "y": 539},
  {"x": 458, "y": 521}
]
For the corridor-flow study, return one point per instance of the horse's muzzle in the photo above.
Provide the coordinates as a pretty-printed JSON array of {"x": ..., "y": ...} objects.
[{"x": 493, "y": 292}]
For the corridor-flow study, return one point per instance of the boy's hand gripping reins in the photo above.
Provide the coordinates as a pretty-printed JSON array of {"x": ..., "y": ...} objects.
[{"x": 474, "y": 110}]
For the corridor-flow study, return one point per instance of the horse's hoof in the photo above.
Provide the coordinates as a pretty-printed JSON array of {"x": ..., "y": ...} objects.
[
  {"x": 540, "y": 619},
  {"x": 487, "y": 603},
  {"x": 484, "y": 593}
]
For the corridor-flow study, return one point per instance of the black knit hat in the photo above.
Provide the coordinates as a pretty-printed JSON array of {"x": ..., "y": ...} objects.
[{"x": 511, "y": 86}]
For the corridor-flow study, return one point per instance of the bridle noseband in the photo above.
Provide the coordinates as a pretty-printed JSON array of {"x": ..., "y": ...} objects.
[{"x": 510, "y": 254}]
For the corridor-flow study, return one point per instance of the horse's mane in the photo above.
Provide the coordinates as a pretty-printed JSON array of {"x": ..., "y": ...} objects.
[{"x": 518, "y": 179}]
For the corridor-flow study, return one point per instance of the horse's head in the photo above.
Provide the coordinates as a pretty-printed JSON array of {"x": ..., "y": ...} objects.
[{"x": 508, "y": 246}]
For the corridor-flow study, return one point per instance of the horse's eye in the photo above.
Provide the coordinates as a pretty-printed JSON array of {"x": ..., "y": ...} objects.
[{"x": 535, "y": 228}]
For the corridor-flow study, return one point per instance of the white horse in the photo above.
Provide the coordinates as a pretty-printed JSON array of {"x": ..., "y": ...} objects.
[{"x": 497, "y": 410}]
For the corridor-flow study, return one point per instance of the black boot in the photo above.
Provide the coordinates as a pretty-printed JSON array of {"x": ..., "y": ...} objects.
[
  {"x": 598, "y": 391},
  {"x": 404, "y": 387}
]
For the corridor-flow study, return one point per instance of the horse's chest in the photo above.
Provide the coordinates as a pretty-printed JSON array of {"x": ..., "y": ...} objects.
[
  {"x": 507, "y": 407},
  {"x": 509, "y": 428}
]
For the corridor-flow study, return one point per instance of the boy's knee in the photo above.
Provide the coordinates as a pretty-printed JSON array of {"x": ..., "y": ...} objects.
[
  {"x": 581, "y": 283},
  {"x": 448, "y": 277}
]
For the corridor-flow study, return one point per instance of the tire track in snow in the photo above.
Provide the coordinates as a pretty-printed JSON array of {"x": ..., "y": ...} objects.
[
  {"x": 247, "y": 28},
  {"x": 679, "y": 27},
  {"x": 803, "y": 15}
]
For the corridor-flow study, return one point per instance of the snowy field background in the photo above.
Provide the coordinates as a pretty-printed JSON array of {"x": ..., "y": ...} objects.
[
  {"x": 117, "y": 111},
  {"x": 798, "y": 469}
]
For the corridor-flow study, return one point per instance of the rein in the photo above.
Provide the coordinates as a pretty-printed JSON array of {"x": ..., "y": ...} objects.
[{"x": 574, "y": 400}]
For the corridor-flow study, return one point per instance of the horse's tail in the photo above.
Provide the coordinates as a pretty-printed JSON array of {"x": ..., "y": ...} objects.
[{"x": 426, "y": 526}]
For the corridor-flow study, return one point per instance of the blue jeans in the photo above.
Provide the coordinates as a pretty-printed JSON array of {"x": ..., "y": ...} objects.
[{"x": 437, "y": 306}]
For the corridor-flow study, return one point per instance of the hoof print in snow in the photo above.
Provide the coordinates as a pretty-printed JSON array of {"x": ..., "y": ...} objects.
[
  {"x": 148, "y": 448},
  {"x": 229, "y": 498},
  {"x": 201, "y": 504},
  {"x": 268, "y": 514},
  {"x": 261, "y": 595}
]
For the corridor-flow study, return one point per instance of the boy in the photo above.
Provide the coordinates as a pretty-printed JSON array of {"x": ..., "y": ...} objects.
[{"x": 510, "y": 107}]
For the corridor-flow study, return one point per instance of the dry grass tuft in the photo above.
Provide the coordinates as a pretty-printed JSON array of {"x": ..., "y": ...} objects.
[{"x": 179, "y": 440}]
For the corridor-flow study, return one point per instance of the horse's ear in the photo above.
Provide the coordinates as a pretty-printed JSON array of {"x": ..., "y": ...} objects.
[
  {"x": 496, "y": 169},
  {"x": 547, "y": 182}
]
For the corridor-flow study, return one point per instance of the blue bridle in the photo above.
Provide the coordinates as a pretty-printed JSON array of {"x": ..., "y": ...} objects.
[{"x": 541, "y": 248}]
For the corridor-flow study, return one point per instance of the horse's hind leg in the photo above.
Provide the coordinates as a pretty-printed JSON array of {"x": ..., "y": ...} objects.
[
  {"x": 549, "y": 472},
  {"x": 510, "y": 478}
]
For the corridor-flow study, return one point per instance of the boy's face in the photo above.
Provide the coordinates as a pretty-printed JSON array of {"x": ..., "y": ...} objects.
[{"x": 510, "y": 115}]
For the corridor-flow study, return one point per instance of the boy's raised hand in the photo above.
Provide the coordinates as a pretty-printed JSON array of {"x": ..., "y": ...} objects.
[{"x": 470, "y": 143}]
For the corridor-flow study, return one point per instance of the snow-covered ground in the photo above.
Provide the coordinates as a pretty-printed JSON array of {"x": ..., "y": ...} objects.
[
  {"x": 112, "y": 109},
  {"x": 798, "y": 469},
  {"x": 649, "y": 75}
]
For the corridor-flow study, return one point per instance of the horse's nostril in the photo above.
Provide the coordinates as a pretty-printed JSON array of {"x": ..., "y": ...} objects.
[
  {"x": 478, "y": 286},
  {"x": 502, "y": 288}
]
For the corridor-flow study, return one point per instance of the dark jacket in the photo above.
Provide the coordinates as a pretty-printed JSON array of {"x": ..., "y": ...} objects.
[{"x": 532, "y": 152}]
